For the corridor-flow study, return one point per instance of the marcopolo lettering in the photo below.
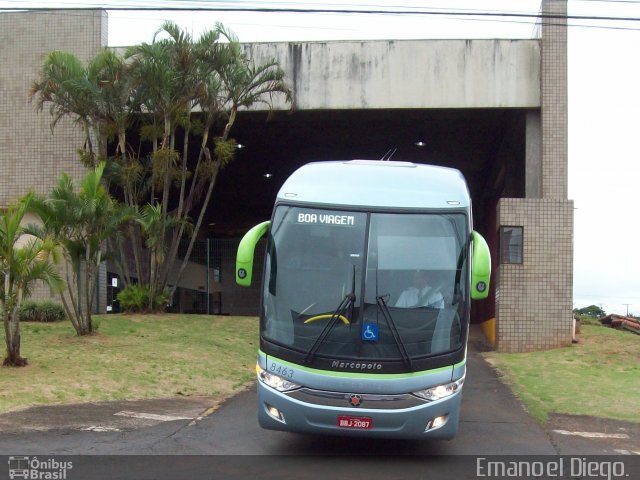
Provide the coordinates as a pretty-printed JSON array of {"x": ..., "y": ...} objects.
[
  {"x": 326, "y": 219},
  {"x": 356, "y": 365}
]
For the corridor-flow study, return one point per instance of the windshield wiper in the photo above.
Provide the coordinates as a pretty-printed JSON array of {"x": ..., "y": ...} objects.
[
  {"x": 347, "y": 302},
  {"x": 406, "y": 359}
]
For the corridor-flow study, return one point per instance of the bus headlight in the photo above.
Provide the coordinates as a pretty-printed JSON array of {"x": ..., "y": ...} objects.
[
  {"x": 441, "y": 391},
  {"x": 275, "y": 381}
]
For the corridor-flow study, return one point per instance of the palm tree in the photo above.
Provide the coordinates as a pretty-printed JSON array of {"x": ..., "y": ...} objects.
[
  {"x": 242, "y": 84},
  {"x": 64, "y": 83},
  {"x": 151, "y": 222},
  {"x": 163, "y": 83},
  {"x": 197, "y": 63},
  {"x": 164, "y": 75},
  {"x": 113, "y": 96},
  {"x": 22, "y": 266},
  {"x": 81, "y": 222}
]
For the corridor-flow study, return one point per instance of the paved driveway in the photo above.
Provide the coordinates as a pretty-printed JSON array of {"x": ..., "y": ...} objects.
[{"x": 493, "y": 422}]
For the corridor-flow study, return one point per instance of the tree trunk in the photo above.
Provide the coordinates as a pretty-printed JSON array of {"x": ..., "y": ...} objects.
[
  {"x": 185, "y": 260},
  {"x": 152, "y": 268},
  {"x": 116, "y": 246},
  {"x": 70, "y": 315},
  {"x": 173, "y": 252},
  {"x": 12, "y": 329},
  {"x": 81, "y": 305},
  {"x": 88, "y": 143},
  {"x": 122, "y": 144},
  {"x": 182, "y": 213},
  {"x": 152, "y": 195},
  {"x": 72, "y": 283},
  {"x": 87, "y": 327},
  {"x": 134, "y": 238}
]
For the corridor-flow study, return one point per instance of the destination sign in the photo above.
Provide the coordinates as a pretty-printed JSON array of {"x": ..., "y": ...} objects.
[{"x": 326, "y": 219}]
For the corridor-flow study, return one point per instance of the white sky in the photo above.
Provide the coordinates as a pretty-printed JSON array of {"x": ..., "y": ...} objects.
[{"x": 604, "y": 100}]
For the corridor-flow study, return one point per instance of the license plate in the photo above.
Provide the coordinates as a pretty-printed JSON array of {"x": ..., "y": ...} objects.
[{"x": 360, "y": 423}]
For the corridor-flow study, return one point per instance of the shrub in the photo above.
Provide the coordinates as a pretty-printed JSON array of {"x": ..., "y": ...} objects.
[
  {"x": 135, "y": 298},
  {"x": 41, "y": 311},
  {"x": 161, "y": 300}
]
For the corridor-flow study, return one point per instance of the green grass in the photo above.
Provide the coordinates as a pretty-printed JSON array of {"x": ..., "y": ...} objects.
[
  {"x": 587, "y": 320},
  {"x": 132, "y": 357},
  {"x": 156, "y": 356},
  {"x": 599, "y": 376}
]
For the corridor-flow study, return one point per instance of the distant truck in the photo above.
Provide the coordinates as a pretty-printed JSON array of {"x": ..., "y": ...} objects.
[{"x": 340, "y": 353}]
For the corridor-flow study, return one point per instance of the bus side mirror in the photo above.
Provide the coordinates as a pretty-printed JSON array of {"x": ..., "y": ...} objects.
[
  {"x": 246, "y": 249},
  {"x": 480, "y": 267}
]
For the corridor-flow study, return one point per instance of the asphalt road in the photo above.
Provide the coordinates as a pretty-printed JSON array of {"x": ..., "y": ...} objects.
[
  {"x": 492, "y": 422},
  {"x": 228, "y": 443}
]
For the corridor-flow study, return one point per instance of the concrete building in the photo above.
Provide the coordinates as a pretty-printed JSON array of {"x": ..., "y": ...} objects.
[{"x": 495, "y": 109}]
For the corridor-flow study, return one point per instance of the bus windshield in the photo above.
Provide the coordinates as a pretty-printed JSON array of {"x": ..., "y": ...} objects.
[{"x": 399, "y": 277}]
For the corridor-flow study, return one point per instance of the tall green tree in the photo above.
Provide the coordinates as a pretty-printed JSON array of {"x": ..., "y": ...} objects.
[
  {"x": 81, "y": 221},
  {"x": 241, "y": 84},
  {"x": 64, "y": 84},
  {"x": 24, "y": 261},
  {"x": 171, "y": 89},
  {"x": 112, "y": 98},
  {"x": 591, "y": 311},
  {"x": 212, "y": 75}
]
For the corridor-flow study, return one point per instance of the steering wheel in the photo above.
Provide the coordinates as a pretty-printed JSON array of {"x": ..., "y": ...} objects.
[{"x": 342, "y": 318}]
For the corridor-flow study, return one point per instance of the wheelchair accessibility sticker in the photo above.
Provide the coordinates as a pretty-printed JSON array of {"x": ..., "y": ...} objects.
[{"x": 370, "y": 332}]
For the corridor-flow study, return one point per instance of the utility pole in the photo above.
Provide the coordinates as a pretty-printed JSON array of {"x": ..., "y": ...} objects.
[{"x": 627, "y": 304}]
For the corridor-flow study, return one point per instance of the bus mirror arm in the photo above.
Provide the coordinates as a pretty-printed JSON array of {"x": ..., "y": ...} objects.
[{"x": 246, "y": 250}]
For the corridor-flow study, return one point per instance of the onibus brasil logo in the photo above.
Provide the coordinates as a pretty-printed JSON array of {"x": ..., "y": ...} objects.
[{"x": 38, "y": 469}]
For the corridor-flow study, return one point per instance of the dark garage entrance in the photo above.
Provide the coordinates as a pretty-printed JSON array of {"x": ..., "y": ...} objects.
[{"x": 487, "y": 145}]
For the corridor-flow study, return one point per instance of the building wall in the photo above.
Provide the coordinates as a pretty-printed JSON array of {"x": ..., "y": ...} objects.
[
  {"x": 379, "y": 73},
  {"x": 534, "y": 299},
  {"x": 32, "y": 156}
]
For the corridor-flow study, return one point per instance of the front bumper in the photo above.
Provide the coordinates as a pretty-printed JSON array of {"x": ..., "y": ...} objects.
[{"x": 413, "y": 422}]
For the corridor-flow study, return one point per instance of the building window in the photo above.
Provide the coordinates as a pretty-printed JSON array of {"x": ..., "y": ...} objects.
[{"x": 511, "y": 245}]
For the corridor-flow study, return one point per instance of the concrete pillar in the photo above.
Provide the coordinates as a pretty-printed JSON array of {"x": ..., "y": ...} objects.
[
  {"x": 533, "y": 155},
  {"x": 534, "y": 303},
  {"x": 554, "y": 99}
]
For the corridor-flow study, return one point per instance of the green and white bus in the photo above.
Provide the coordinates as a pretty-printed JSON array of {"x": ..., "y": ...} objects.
[{"x": 340, "y": 352}]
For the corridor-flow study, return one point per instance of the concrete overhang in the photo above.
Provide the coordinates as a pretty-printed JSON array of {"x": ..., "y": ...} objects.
[{"x": 415, "y": 74}]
